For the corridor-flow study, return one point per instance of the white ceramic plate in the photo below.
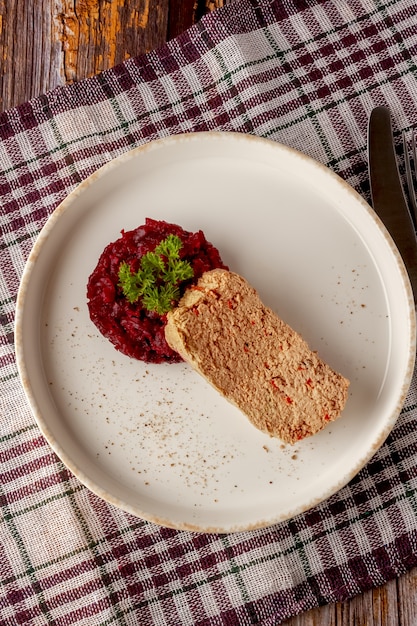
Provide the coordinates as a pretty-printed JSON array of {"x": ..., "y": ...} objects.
[{"x": 157, "y": 440}]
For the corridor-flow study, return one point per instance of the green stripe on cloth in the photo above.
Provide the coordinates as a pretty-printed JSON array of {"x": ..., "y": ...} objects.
[{"x": 20, "y": 543}]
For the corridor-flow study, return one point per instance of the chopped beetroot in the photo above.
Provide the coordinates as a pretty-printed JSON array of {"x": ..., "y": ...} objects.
[{"x": 133, "y": 330}]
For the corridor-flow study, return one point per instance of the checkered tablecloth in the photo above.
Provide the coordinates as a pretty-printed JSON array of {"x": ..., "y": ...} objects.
[{"x": 306, "y": 74}]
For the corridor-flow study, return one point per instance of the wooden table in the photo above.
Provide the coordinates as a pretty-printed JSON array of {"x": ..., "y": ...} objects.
[{"x": 45, "y": 43}]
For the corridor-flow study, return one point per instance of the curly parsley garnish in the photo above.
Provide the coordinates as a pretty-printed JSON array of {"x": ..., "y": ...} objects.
[{"x": 157, "y": 281}]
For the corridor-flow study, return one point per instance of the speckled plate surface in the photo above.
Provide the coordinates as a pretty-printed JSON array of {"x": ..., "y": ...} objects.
[{"x": 157, "y": 440}]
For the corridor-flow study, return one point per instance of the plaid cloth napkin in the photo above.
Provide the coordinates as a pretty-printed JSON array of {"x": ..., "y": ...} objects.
[{"x": 306, "y": 74}]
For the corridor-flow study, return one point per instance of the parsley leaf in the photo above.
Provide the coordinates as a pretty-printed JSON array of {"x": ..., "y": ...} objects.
[{"x": 158, "y": 278}]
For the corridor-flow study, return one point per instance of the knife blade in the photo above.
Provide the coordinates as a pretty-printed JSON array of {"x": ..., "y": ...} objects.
[{"x": 388, "y": 199}]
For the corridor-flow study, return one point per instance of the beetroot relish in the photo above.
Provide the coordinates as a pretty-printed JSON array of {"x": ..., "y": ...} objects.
[{"x": 136, "y": 332}]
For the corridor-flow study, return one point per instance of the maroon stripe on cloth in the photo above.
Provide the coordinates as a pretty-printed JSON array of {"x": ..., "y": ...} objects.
[
  {"x": 21, "y": 448},
  {"x": 27, "y": 468},
  {"x": 25, "y": 492}
]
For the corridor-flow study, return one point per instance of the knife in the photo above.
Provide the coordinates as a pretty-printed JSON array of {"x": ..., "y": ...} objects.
[{"x": 387, "y": 192}]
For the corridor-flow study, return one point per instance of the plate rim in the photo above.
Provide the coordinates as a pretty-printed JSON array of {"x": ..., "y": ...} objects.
[{"x": 30, "y": 267}]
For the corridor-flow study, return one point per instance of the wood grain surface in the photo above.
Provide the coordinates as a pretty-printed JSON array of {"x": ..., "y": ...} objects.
[{"x": 46, "y": 43}]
